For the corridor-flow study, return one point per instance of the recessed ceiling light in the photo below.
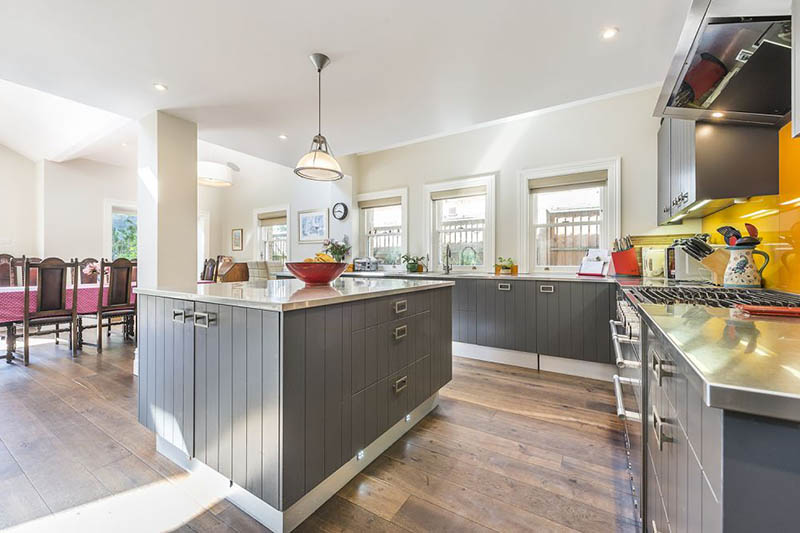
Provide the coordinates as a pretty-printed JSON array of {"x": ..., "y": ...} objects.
[
  {"x": 160, "y": 87},
  {"x": 124, "y": 145},
  {"x": 282, "y": 137},
  {"x": 609, "y": 33},
  {"x": 717, "y": 114}
]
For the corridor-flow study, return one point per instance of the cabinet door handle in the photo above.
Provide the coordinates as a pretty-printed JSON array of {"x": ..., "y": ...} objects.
[
  {"x": 503, "y": 286},
  {"x": 659, "y": 369},
  {"x": 400, "y": 332},
  {"x": 400, "y": 384},
  {"x": 658, "y": 428},
  {"x": 203, "y": 320},
  {"x": 400, "y": 306},
  {"x": 179, "y": 315},
  {"x": 546, "y": 288}
]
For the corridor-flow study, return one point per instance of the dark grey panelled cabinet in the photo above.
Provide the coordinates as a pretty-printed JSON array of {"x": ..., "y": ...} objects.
[
  {"x": 503, "y": 321},
  {"x": 572, "y": 319},
  {"x": 465, "y": 310}
]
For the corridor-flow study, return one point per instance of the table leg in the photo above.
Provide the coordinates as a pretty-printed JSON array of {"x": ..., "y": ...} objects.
[{"x": 10, "y": 343}]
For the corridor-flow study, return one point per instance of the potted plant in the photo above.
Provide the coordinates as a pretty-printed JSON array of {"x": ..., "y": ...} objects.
[
  {"x": 506, "y": 265},
  {"x": 413, "y": 262},
  {"x": 337, "y": 249}
]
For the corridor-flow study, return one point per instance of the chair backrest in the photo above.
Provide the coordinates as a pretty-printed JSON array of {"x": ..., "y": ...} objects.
[
  {"x": 7, "y": 271},
  {"x": 209, "y": 270},
  {"x": 120, "y": 280},
  {"x": 52, "y": 275},
  {"x": 90, "y": 277},
  {"x": 32, "y": 276}
]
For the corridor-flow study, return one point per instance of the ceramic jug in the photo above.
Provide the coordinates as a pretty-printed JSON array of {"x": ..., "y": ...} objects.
[{"x": 741, "y": 270}]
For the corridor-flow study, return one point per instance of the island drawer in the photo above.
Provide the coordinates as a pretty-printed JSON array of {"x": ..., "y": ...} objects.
[{"x": 379, "y": 311}]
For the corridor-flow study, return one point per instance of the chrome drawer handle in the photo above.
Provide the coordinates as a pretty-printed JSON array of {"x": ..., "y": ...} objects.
[
  {"x": 400, "y": 384},
  {"x": 546, "y": 288},
  {"x": 203, "y": 320},
  {"x": 659, "y": 368},
  {"x": 400, "y": 332},
  {"x": 658, "y": 428},
  {"x": 400, "y": 306},
  {"x": 503, "y": 286}
]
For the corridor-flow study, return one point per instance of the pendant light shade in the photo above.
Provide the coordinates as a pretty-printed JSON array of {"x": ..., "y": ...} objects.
[{"x": 319, "y": 164}]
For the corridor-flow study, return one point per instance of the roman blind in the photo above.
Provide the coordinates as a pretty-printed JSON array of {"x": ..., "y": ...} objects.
[
  {"x": 273, "y": 218},
  {"x": 591, "y": 178},
  {"x": 380, "y": 202},
  {"x": 463, "y": 192}
]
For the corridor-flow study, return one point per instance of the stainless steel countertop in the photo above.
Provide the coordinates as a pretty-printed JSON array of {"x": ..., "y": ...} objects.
[
  {"x": 471, "y": 275},
  {"x": 750, "y": 365},
  {"x": 289, "y": 294}
]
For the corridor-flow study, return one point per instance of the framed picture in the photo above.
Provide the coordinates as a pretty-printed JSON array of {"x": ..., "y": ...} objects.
[
  {"x": 312, "y": 225},
  {"x": 237, "y": 238}
]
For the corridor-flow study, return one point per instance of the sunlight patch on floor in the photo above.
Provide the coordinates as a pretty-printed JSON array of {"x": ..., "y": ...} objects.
[{"x": 161, "y": 506}]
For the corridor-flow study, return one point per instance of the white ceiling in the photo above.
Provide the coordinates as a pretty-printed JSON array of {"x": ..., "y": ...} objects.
[{"x": 400, "y": 70}]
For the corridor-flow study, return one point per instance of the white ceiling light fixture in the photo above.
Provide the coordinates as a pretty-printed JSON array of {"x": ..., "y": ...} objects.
[
  {"x": 609, "y": 33},
  {"x": 319, "y": 164},
  {"x": 717, "y": 114},
  {"x": 283, "y": 137},
  {"x": 160, "y": 87},
  {"x": 214, "y": 174}
]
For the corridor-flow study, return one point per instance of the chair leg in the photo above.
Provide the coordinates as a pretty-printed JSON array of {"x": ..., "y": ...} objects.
[
  {"x": 99, "y": 333},
  {"x": 26, "y": 347},
  {"x": 73, "y": 345},
  {"x": 58, "y": 330}
]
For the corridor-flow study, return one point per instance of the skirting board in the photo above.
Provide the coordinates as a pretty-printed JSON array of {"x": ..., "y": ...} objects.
[
  {"x": 561, "y": 365},
  {"x": 213, "y": 482}
]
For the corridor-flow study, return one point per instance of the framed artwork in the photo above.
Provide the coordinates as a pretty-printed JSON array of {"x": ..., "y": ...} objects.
[
  {"x": 237, "y": 240},
  {"x": 312, "y": 225}
]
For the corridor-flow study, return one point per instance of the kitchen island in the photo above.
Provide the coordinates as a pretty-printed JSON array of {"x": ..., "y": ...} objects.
[{"x": 282, "y": 393}]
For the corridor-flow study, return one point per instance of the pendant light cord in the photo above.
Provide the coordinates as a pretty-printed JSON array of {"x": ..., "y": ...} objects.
[{"x": 319, "y": 101}]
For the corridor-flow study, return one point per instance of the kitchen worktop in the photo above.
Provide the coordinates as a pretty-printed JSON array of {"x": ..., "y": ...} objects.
[
  {"x": 388, "y": 274},
  {"x": 750, "y": 365},
  {"x": 289, "y": 294}
]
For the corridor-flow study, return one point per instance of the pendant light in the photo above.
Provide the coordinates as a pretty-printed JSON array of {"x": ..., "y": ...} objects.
[{"x": 319, "y": 164}]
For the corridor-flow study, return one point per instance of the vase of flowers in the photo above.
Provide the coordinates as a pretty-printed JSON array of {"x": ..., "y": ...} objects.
[{"x": 337, "y": 249}]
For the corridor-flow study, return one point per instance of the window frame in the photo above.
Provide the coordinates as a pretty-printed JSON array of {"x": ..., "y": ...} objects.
[
  {"x": 611, "y": 205},
  {"x": 380, "y": 195},
  {"x": 486, "y": 180},
  {"x": 256, "y": 246},
  {"x": 109, "y": 205}
]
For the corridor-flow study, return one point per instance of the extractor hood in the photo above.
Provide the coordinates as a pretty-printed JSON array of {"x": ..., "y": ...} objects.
[{"x": 730, "y": 68}]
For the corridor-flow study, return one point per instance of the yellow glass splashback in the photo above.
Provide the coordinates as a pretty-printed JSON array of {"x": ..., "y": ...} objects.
[{"x": 777, "y": 218}]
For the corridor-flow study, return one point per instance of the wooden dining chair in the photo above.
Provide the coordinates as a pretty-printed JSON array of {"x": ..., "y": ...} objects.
[
  {"x": 209, "y": 270},
  {"x": 52, "y": 308},
  {"x": 119, "y": 300},
  {"x": 7, "y": 271},
  {"x": 87, "y": 279}
]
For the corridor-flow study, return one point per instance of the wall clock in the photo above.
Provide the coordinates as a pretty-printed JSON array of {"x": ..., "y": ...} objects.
[{"x": 340, "y": 211}]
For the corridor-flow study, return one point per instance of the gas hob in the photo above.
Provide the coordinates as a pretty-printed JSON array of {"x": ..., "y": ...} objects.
[{"x": 713, "y": 296}]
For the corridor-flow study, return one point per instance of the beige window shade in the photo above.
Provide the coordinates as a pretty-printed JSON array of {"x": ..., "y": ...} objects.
[
  {"x": 274, "y": 218},
  {"x": 380, "y": 202},
  {"x": 463, "y": 192},
  {"x": 595, "y": 177}
]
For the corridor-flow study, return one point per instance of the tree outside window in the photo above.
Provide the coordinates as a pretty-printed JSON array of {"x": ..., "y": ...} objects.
[{"x": 123, "y": 234}]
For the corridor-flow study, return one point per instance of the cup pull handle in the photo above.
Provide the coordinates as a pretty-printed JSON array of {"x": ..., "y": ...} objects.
[
  {"x": 503, "y": 286},
  {"x": 400, "y": 332},
  {"x": 546, "y": 288},
  {"x": 400, "y": 384}
]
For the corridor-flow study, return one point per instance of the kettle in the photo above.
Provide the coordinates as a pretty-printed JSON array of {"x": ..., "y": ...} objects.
[{"x": 741, "y": 271}]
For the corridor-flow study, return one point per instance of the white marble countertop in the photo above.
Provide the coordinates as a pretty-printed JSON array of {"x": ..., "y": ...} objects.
[{"x": 289, "y": 294}]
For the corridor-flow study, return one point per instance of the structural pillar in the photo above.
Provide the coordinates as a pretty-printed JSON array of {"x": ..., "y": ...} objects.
[{"x": 167, "y": 202}]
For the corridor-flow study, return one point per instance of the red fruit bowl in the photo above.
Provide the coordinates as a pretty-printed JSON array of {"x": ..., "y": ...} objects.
[{"x": 316, "y": 273}]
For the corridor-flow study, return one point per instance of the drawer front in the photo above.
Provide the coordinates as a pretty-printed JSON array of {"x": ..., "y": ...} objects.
[
  {"x": 421, "y": 324},
  {"x": 400, "y": 335},
  {"x": 401, "y": 394}
]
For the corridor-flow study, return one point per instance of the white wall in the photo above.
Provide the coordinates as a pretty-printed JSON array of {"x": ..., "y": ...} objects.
[
  {"x": 19, "y": 220},
  {"x": 618, "y": 126},
  {"x": 74, "y": 195},
  {"x": 263, "y": 184}
]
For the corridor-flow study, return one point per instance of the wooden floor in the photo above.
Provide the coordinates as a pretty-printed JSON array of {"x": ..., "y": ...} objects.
[{"x": 507, "y": 449}]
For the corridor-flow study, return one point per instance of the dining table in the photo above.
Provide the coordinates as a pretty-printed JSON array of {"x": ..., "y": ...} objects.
[{"x": 12, "y": 308}]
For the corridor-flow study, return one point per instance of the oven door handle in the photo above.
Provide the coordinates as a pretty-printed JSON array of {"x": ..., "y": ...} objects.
[
  {"x": 616, "y": 341},
  {"x": 623, "y": 413}
]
